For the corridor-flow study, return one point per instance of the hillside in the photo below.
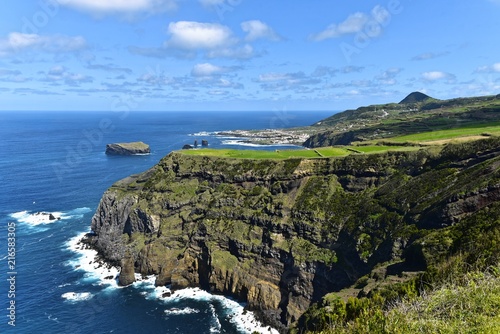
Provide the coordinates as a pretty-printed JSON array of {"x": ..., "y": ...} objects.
[
  {"x": 417, "y": 113},
  {"x": 284, "y": 234},
  {"x": 416, "y": 97}
]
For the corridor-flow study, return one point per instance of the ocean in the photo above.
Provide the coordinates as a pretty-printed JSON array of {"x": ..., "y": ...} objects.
[{"x": 54, "y": 163}]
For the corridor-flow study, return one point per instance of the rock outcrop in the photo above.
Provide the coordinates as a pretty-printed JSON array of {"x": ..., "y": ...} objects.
[
  {"x": 127, "y": 148},
  {"x": 280, "y": 234}
]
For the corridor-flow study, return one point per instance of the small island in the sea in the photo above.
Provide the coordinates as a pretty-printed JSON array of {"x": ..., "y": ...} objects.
[{"x": 132, "y": 148}]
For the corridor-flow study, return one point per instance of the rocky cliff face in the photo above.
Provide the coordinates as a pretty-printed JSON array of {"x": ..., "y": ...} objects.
[{"x": 280, "y": 234}]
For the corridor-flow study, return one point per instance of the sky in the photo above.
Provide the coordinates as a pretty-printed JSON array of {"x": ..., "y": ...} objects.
[{"x": 232, "y": 55}]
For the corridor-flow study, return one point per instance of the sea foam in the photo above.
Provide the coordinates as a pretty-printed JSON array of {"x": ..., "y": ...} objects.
[
  {"x": 87, "y": 260},
  {"x": 107, "y": 275},
  {"x": 77, "y": 296},
  {"x": 44, "y": 217}
]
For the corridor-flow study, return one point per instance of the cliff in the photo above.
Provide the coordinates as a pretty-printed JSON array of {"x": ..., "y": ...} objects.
[
  {"x": 127, "y": 148},
  {"x": 281, "y": 234}
]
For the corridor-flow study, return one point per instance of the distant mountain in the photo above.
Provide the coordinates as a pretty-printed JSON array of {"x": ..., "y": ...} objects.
[
  {"x": 416, "y": 113},
  {"x": 415, "y": 97}
]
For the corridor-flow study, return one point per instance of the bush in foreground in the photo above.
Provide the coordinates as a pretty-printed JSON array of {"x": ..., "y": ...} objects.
[{"x": 467, "y": 304}]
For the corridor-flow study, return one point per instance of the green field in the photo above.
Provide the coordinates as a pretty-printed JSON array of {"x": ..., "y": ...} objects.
[
  {"x": 254, "y": 154},
  {"x": 381, "y": 148},
  {"x": 492, "y": 128},
  {"x": 322, "y": 152}
]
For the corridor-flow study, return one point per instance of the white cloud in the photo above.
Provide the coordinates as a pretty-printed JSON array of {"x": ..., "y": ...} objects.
[
  {"x": 8, "y": 75},
  {"x": 189, "y": 35},
  {"x": 352, "y": 69},
  {"x": 270, "y": 77},
  {"x": 429, "y": 55},
  {"x": 206, "y": 70},
  {"x": 388, "y": 77},
  {"x": 58, "y": 74},
  {"x": 57, "y": 70},
  {"x": 322, "y": 71},
  {"x": 372, "y": 24},
  {"x": 437, "y": 75},
  {"x": 297, "y": 81},
  {"x": 256, "y": 29},
  {"x": 353, "y": 24},
  {"x": 18, "y": 42},
  {"x": 187, "y": 39},
  {"x": 121, "y": 6},
  {"x": 495, "y": 68},
  {"x": 244, "y": 52}
]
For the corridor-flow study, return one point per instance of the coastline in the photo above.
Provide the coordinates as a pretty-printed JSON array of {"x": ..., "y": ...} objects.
[
  {"x": 265, "y": 137},
  {"x": 96, "y": 268}
]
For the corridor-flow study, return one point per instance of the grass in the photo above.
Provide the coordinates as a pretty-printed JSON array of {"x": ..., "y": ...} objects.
[
  {"x": 322, "y": 152},
  {"x": 468, "y": 305},
  {"x": 471, "y": 307},
  {"x": 261, "y": 154},
  {"x": 332, "y": 151},
  {"x": 473, "y": 130},
  {"x": 381, "y": 148}
]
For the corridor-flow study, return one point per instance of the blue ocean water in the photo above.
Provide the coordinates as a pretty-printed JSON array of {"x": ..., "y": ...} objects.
[{"x": 54, "y": 162}]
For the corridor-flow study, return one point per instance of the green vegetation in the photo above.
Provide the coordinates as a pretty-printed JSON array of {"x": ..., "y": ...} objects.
[
  {"x": 466, "y": 303},
  {"x": 262, "y": 154},
  {"x": 382, "y": 148},
  {"x": 466, "y": 131},
  {"x": 322, "y": 152},
  {"x": 421, "y": 120}
]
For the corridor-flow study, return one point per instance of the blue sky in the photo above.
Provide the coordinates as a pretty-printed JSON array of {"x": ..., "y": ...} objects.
[{"x": 243, "y": 54}]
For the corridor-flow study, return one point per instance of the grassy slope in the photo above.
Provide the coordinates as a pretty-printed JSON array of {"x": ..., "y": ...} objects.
[
  {"x": 466, "y": 304},
  {"x": 492, "y": 128},
  {"x": 431, "y": 120},
  {"x": 322, "y": 152}
]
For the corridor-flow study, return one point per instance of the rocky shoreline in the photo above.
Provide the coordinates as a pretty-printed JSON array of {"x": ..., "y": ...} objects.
[
  {"x": 109, "y": 273},
  {"x": 268, "y": 136}
]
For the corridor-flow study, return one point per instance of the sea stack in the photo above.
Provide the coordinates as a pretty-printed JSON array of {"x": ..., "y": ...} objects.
[{"x": 127, "y": 148}]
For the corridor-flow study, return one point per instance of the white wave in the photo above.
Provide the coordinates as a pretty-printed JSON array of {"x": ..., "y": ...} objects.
[
  {"x": 177, "y": 311},
  {"x": 245, "y": 321},
  {"x": 217, "y": 325},
  {"x": 89, "y": 262},
  {"x": 45, "y": 217},
  {"x": 246, "y": 143},
  {"x": 147, "y": 282},
  {"x": 38, "y": 218},
  {"x": 203, "y": 133},
  {"x": 77, "y": 296},
  {"x": 241, "y": 143}
]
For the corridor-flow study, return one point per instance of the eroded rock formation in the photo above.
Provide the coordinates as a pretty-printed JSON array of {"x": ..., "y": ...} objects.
[{"x": 280, "y": 234}]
